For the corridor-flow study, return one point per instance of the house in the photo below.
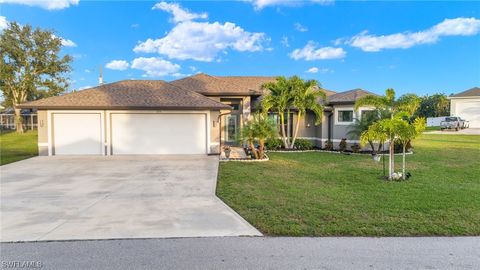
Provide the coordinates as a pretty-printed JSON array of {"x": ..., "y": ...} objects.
[
  {"x": 466, "y": 105},
  {"x": 193, "y": 115}
]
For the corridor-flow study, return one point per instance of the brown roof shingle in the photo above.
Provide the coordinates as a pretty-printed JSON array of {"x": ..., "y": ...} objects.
[
  {"x": 473, "y": 92},
  {"x": 129, "y": 94},
  {"x": 223, "y": 85},
  {"x": 348, "y": 96}
]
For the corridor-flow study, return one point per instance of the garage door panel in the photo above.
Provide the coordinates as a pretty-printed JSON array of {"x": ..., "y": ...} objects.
[
  {"x": 158, "y": 133},
  {"x": 470, "y": 111},
  {"x": 77, "y": 134}
]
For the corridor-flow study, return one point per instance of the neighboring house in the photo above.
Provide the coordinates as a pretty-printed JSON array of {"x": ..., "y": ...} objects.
[
  {"x": 7, "y": 118},
  {"x": 466, "y": 105},
  {"x": 193, "y": 115}
]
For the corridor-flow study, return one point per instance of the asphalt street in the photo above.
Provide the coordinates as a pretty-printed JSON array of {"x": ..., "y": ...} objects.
[{"x": 248, "y": 253}]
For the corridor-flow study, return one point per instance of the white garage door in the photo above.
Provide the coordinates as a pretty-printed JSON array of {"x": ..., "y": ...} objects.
[
  {"x": 158, "y": 134},
  {"x": 470, "y": 111},
  {"x": 77, "y": 134}
]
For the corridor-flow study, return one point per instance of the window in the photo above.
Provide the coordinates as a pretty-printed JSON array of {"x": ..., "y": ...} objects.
[
  {"x": 368, "y": 114},
  {"x": 345, "y": 116}
]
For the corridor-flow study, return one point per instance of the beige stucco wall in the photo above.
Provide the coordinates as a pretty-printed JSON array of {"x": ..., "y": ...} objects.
[
  {"x": 42, "y": 133},
  {"x": 214, "y": 132}
]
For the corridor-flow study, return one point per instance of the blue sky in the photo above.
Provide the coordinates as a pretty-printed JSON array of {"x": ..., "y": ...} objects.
[{"x": 414, "y": 47}]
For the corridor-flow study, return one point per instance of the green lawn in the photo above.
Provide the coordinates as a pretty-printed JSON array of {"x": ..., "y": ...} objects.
[
  {"x": 432, "y": 128},
  {"x": 323, "y": 194},
  {"x": 15, "y": 147}
]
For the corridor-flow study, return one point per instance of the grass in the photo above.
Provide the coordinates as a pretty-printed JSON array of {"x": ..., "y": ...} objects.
[
  {"x": 15, "y": 147},
  {"x": 432, "y": 128},
  {"x": 323, "y": 194}
]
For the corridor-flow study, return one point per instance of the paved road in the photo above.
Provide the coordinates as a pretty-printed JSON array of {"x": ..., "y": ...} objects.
[{"x": 252, "y": 253}]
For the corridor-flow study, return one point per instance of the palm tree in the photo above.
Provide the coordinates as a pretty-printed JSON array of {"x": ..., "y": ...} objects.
[
  {"x": 293, "y": 93},
  {"x": 247, "y": 135},
  {"x": 407, "y": 103},
  {"x": 306, "y": 96},
  {"x": 407, "y": 132},
  {"x": 259, "y": 129},
  {"x": 361, "y": 125},
  {"x": 278, "y": 99}
]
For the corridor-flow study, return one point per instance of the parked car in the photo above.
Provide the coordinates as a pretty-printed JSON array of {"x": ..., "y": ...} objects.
[{"x": 454, "y": 122}]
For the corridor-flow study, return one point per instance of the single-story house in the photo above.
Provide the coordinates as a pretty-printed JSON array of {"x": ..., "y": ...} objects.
[
  {"x": 466, "y": 105},
  {"x": 193, "y": 115}
]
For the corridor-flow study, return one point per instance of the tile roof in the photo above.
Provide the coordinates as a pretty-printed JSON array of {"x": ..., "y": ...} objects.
[
  {"x": 129, "y": 94},
  {"x": 223, "y": 85},
  {"x": 473, "y": 92},
  {"x": 348, "y": 96}
]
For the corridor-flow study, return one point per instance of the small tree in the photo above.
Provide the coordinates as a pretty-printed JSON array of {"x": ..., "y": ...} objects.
[
  {"x": 30, "y": 66},
  {"x": 259, "y": 129},
  {"x": 405, "y": 104},
  {"x": 407, "y": 132},
  {"x": 361, "y": 125}
]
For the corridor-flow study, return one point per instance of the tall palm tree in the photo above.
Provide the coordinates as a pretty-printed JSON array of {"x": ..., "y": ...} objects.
[
  {"x": 287, "y": 94},
  {"x": 406, "y": 103},
  {"x": 306, "y": 96},
  {"x": 279, "y": 99}
]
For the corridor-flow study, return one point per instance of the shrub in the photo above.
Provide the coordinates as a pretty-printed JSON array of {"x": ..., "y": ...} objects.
[
  {"x": 355, "y": 148},
  {"x": 302, "y": 144},
  {"x": 274, "y": 144},
  {"x": 343, "y": 145},
  {"x": 329, "y": 145}
]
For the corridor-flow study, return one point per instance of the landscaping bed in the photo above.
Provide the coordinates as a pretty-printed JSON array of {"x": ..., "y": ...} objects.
[{"x": 318, "y": 194}]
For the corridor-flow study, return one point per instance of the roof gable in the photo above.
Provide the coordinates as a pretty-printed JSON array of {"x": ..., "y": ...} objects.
[
  {"x": 223, "y": 85},
  {"x": 348, "y": 96},
  {"x": 129, "y": 94},
  {"x": 472, "y": 92}
]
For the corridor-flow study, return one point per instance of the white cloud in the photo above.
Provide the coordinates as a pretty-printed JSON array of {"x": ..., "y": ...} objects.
[
  {"x": 310, "y": 52},
  {"x": 3, "y": 22},
  {"x": 117, "y": 65},
  {"x": 319, "y": 70},
  {"x": 155, "y": 67},
  {"x": 46, "y": 4},
  {"x": 202, "y": 41},
  {"x": 312, "y": 70},
  {"x": 449, "y": 27},
  {"x": 68, "y": 43},
  {"x": 87, "y": 71},
  {"x": 260, "y": 4},
  {"x": 179, "y": 14},
  {"x": 285, "y": 42},
  {"x": 300, "y": 27}
]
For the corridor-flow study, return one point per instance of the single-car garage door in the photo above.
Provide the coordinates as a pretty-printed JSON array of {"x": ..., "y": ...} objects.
[
  {"x": 468, "y": 110},
  {"x": 77, "y": 133},
  {"x": 158, "y": 134}
]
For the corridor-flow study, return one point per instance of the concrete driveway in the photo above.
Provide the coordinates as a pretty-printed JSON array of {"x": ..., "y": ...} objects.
[{"x": 59, "y": 198}]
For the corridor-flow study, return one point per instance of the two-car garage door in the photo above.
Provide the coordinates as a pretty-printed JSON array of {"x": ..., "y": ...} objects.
[{"x": 129, "y": 133}]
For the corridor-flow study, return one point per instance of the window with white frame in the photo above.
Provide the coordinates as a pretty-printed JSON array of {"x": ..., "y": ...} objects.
[{"x": 345, "y": 116}]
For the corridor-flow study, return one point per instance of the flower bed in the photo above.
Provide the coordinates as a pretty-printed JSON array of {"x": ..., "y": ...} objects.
[{"x": 266, "y": 158}]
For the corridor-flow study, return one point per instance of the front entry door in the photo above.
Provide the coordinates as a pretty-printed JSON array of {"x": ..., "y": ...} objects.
[{"x": 231, "y": 127}]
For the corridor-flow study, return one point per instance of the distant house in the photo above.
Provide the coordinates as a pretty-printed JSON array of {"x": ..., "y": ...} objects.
[
  {"x": 193, "y": 115},
  {"x": 467, "y": 106}
]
